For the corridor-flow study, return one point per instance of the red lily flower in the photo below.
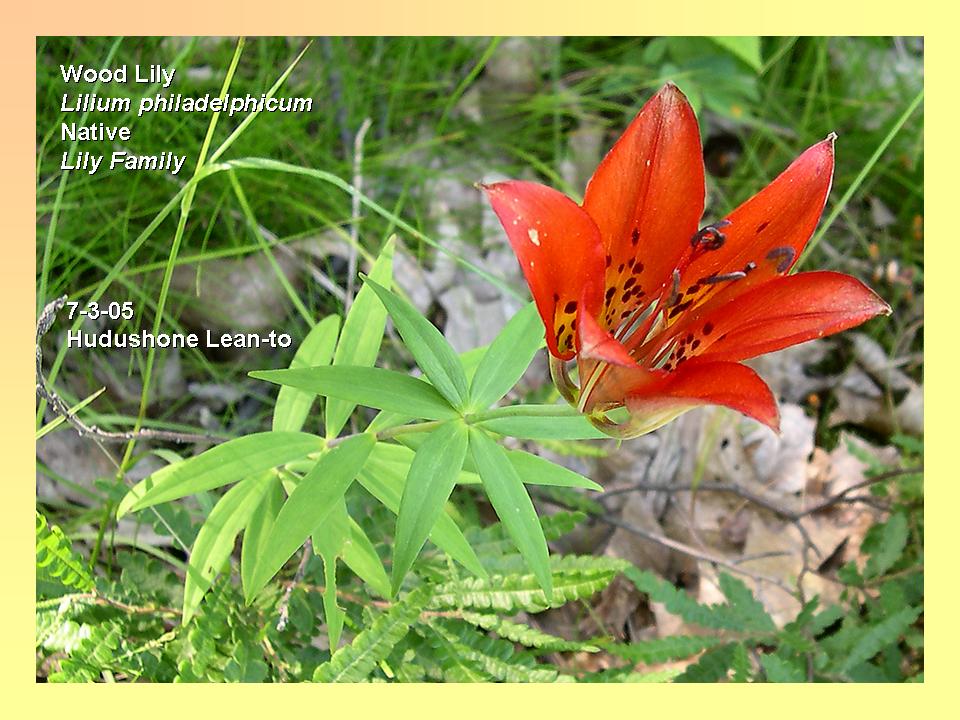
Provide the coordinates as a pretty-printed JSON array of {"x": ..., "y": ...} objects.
[{"x": 657, "y": 313}]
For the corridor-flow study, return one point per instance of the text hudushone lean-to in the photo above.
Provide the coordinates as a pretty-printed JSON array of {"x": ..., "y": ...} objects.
[{"x": 146, "y": 340}]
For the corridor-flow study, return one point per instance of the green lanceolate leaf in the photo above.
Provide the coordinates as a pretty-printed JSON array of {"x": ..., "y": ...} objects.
[
  {"x": 360, "y": 340},
  {"x": 373, "y": 387},
  {"x": 341, "y": 536},
  {"x": 400, "y": 457},
  {"x": 534, "y": 470},
  {"x": 333, "y": 613},
  {"x": 330, "y": 537},
  {"x": 430, "y": 481},
  {"x": 385, "y": 482},
  {"x": 571, "y": 427},
  {"x": 360, "y": 556},
  {"x": 293, "y": 405},
  {"x": 227, "y": 463},
  {"x": 328, "y": 542},
  {"x": 216, "y": 538},
  {"x": 509, "y": 498},
  {"x": 429, "y": 348},
  {"x": 258, "y": 529},
  {"x": 315, "y": 496},
  {"x": 507, "y": 358}
]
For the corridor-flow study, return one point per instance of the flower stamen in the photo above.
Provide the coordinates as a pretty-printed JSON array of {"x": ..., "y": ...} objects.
[
  {"x": 724, "y": 277},
  {"x": 710, "y": 237}
]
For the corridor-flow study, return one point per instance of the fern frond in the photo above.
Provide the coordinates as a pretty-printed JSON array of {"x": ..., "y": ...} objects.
[
  {"x": 574, "y": 578},
  {"x": 874, "y": 638},
  {"x": 494, "y": 656},
  {"x": 663, "y": 649},
  {"x": 627, "y": 675},
  {"x": 56, "y": 560},
  {"x": 357, "y": 660},
  {"x": 526, "y": 635},
  {"x": 742, "y": 613},
  {"x": 779, "y": 669},
  {"x": 711, "y": 667},
  {"x": 444, "y": 662}
]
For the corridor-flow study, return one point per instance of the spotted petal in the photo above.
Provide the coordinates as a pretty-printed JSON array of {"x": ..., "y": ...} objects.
[
  {"x": 782, "y": 312},
  {"x": 559, "y": 250},
  {"x": 763, "y": 237},
  {"x": 646, "y": 198}
]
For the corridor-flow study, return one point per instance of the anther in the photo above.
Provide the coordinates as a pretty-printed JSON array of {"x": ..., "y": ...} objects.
[
  {"x": 714, "y": 279},
  {"x": 785, "y": 255},
  {"x": 675, "y": 290},
  {"x": 710, "y": 236}
]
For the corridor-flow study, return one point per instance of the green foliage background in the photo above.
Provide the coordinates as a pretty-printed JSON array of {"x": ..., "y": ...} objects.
[{"x": 111, "y": 607}]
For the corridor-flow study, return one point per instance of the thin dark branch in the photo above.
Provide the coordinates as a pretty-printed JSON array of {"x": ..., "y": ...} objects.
[{"x": 284, "y": 606}]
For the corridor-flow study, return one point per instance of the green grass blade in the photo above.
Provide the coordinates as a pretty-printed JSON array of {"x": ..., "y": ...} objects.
[
  {"x": 841, "y": 204},
  {"x": 60, "y": 419},
  {"x": 362, "y": 333},
  {"x": 276, "y": 165}
]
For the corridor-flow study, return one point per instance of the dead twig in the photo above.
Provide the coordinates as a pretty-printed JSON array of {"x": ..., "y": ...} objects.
[
  {"x": 794, "y": 516},
  {"x": 284, "y": 607},
  {"x": 355, "y": 211}
]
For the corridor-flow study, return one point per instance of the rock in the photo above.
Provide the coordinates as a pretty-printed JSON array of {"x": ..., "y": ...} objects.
[
  {"x": 231, "y": 295},
  {"x": 780, "y": 462}
]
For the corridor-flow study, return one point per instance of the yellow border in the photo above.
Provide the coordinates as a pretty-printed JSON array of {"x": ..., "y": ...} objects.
[{"x": 439, "y": 17}]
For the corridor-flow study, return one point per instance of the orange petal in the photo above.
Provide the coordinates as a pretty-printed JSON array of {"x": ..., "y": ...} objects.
[
  {"x": 559, "y": 250},
  {"x": 597, "y": 344},
  {"x": 782, "y": 312},
  {"x": 700, "y": 382},
  {"x": 764, "y": 236},
  {"x": 646, "y": 198}
]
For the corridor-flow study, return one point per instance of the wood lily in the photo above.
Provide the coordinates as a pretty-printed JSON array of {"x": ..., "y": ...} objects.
[{"x": 657, "y": 312}]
